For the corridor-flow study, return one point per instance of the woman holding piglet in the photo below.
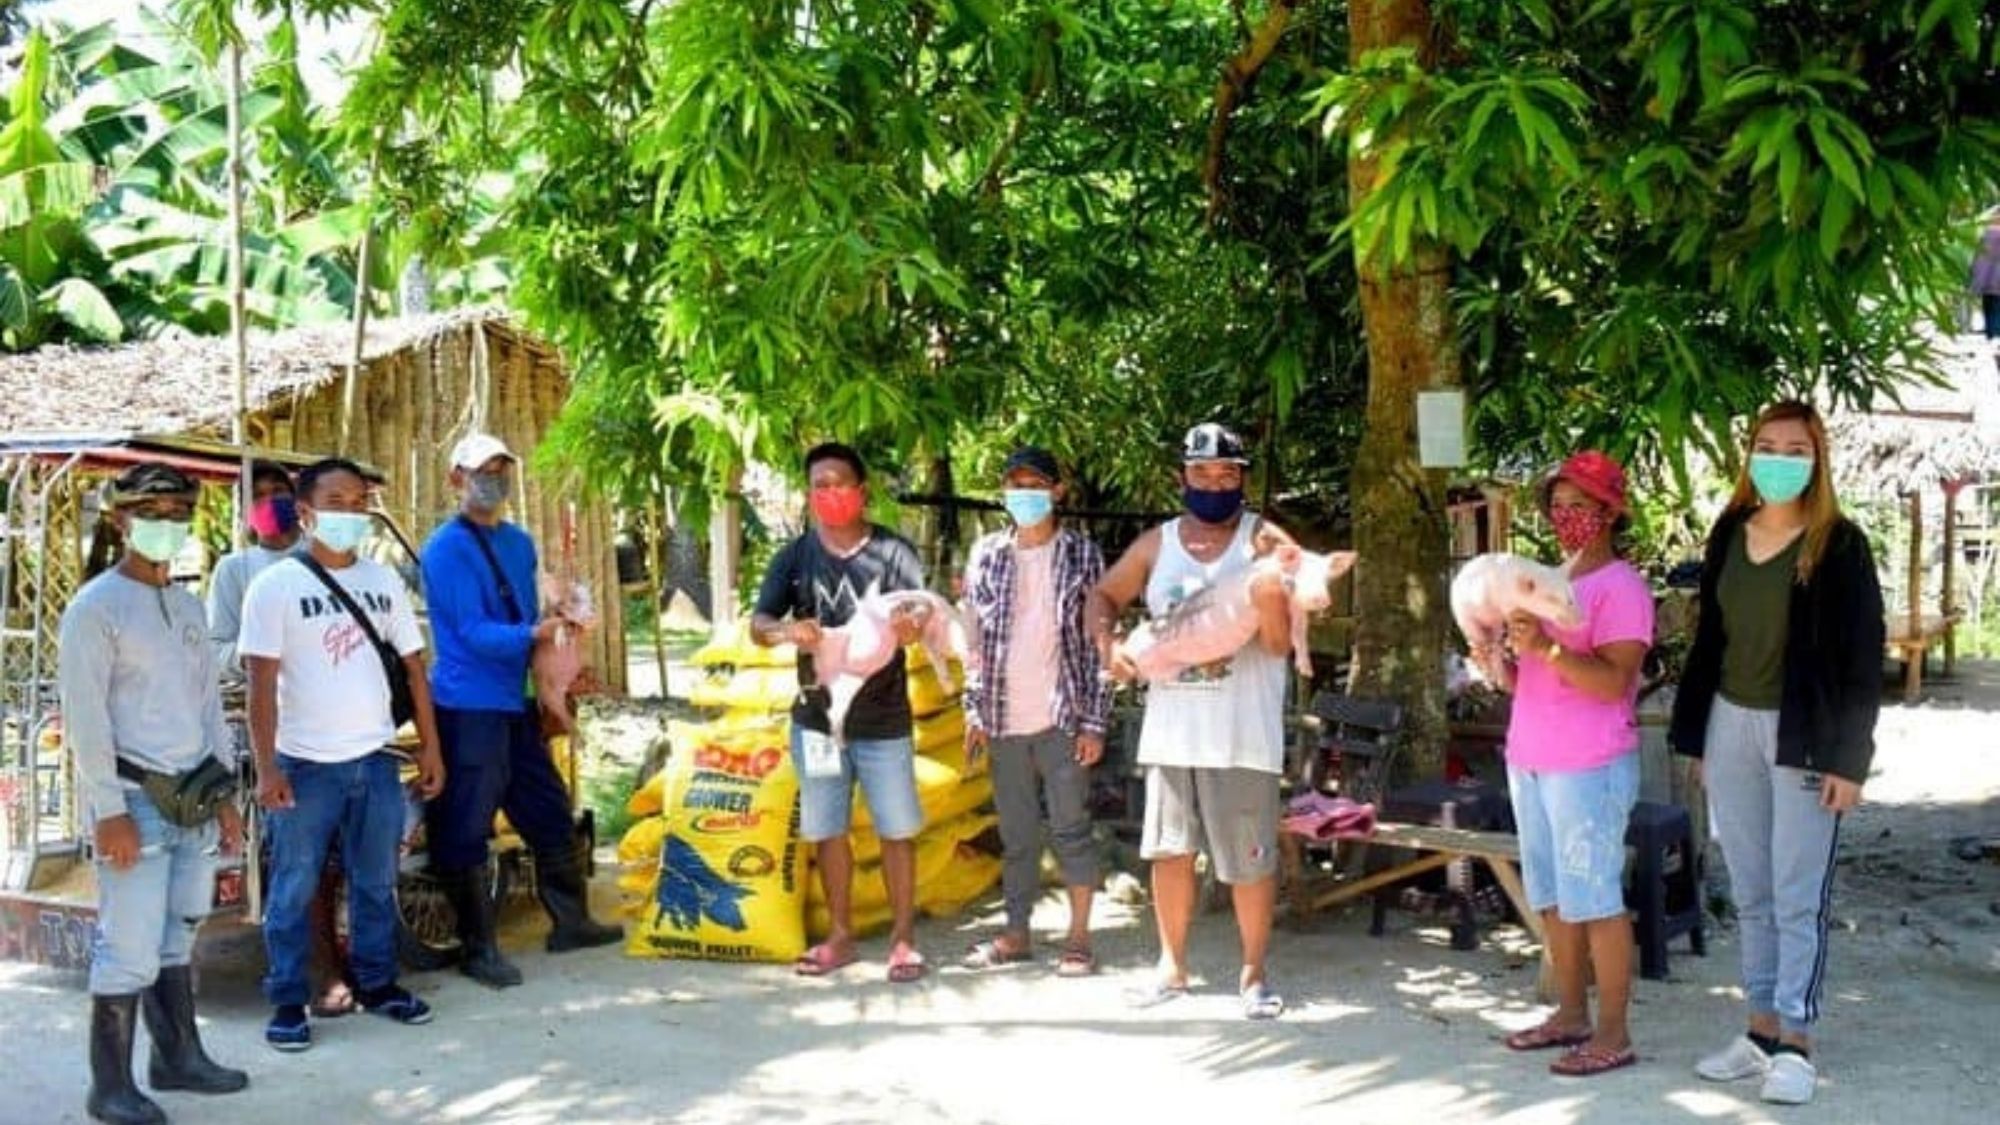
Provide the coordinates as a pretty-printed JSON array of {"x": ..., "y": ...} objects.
[{"x": 1573, "y": 763}]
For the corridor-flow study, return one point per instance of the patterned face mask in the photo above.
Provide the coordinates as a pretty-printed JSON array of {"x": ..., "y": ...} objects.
[{"x": 1578, "y": 527}]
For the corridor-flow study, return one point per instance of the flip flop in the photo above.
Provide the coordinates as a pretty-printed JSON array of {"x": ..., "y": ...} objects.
[
  {"x": 333, "y": 1001},
  {"x": 907, "y": 968},
  {"x": 1155, "y": 994},
  {"x": 1543, "y": 1036},
  {"x": 1261, "y": 1002},
  {"x": 1076, "y": 961},
  {"x": 821, "y": 960},
  {"x": 989, "y": 954},
  {"x": 1582, "y": 1062}
]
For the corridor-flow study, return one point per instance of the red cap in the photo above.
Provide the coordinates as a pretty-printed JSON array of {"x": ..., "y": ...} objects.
[{"x": 1597, "y": 476}]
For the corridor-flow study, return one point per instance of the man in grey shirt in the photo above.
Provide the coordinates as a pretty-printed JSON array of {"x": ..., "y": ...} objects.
[
  {"x": 274, "y": 518},
  {"x": 139, "y": 695}
]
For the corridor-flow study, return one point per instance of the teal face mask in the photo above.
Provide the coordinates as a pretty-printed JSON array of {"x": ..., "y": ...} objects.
[
  {"x": 1028, "y": 506},
  {"x": 159, "y": 541},
  {"x": 342, "y": 532},
  {"x": 1780, "y": 477}
]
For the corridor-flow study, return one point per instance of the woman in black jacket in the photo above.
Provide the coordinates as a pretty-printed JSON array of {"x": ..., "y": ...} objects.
[{"x": 1779, "y": 700}]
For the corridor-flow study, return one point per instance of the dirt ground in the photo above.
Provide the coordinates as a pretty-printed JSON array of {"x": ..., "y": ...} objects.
[{"x": 1397, "y": 1029}]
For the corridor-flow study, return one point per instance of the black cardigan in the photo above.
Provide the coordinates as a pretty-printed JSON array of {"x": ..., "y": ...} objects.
[{"x": 1833, "y": 658}]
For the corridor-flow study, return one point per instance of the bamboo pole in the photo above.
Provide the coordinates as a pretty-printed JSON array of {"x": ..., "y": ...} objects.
[
  {"x": 360, "y": 308},
  {"x": 239, "y": 345},
  {"x": 1948, "y": 598},
  {"x": 1916, "y": 585}
]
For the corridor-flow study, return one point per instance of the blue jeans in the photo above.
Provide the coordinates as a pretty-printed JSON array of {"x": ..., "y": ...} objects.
[
  {"x": 362, "y": 803},
  {"x": 887, "y": 771},
  {"x": 1571, "y": 825},
  {"x": 147, "y": 914},
  {"x": 495, "y": 761}
]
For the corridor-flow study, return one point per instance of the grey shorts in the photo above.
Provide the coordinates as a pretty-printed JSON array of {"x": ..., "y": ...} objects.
[{"x": 1232, "y": 814}]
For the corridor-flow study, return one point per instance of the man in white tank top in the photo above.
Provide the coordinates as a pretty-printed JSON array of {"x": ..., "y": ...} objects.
[{"x": 1213, "y": 739}]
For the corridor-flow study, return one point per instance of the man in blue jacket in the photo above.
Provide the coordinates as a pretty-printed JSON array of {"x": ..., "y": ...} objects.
[{"x": 479, "y": 584}]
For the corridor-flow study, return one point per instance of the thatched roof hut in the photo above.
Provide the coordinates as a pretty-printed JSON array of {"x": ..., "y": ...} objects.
[
  {"x": 1948, "y": 432},
  {"x": 423, "y": 383}
]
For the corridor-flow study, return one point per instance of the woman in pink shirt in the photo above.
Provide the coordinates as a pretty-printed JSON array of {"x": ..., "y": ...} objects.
[{"x": 1573, "y": 764}]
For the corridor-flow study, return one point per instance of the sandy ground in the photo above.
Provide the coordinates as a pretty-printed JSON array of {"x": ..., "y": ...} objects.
[{"x": 1396, "y": 1029}]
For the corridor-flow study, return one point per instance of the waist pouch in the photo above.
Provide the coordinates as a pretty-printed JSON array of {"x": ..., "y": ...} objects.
[{"x": 188, "y": 799}]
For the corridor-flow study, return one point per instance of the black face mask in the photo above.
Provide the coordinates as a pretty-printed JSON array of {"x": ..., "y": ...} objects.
[{"x": 1212, "y": 505}]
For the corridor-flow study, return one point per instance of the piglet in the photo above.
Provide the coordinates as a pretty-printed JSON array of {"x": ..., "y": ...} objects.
[
  {"x": 1213, "y": 623},
  {"x": 1493, "y": 587},
  {"x": 558, "y": 661},
  {"x": 847, "y": 655}
]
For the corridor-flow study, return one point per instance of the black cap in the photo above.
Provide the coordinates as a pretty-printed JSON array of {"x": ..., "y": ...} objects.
[
  {"x": 1035, "y": 459},
  {"x": 1212, "y": 441},
  {"x": 149, "y": 479}
]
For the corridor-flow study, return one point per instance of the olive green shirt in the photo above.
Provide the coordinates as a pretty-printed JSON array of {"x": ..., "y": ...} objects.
[{"x": 1756, "y": 602}]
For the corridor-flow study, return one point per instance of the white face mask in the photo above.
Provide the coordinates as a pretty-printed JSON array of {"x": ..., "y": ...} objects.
[
  {"x": 158, "y": 541},
  {"x": 342, "y": 532}
]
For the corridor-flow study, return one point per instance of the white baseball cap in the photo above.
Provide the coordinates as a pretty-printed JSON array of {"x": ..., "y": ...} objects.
[{"x": 474, "y": 450}]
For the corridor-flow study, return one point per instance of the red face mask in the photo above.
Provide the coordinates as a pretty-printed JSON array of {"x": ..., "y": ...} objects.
[
  {"x": 837, "y": 506},
  {"x": 1577, "y": 528}
]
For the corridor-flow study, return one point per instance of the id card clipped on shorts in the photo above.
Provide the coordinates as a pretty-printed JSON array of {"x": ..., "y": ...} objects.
[{"x": 819, "y": 754}]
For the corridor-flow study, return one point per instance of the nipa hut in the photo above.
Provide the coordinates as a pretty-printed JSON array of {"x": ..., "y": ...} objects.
[
  {"x": 423, "y": 382},
  {"x": 1936, "y": 451}
]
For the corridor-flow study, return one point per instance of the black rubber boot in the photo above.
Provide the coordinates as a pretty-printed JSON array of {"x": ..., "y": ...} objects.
[
  {"x": 565, "y": 894},
  {"x": 478, "y": 925},
  {"x": 178, "y": 1061},
  {"x": 114, "y": 1097}
]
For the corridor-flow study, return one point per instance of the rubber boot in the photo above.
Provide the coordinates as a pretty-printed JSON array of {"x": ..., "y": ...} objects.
[
  {"x": 565, "y": 894},
  {"x": 114, "y": 1097},
  {"x": 178, "y": 1061},
  {"x": 478, "y": 925}
]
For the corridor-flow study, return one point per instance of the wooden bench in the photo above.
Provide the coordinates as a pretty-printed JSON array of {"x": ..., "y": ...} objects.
[
  {"x": 1434, "y": 848},
  {"x": 1909, "y": 639}
]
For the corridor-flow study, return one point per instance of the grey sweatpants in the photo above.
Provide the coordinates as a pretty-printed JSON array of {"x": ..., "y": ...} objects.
[
  {"x": 1779, "y": 843},
  {"x": 1018, "y": 760}
]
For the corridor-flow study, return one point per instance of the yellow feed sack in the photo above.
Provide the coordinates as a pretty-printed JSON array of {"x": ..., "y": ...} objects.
[
  {"x": 642, "y": 842},
  {"x": 650, "y": 797},
  {"x": 735, "y": 649},
  {"x": 927, "y": 696},
  {"x": 728, "y": 885},
  {"x": 971, "y": 874},
  {"x": 935, "y": 850},
  {"x": 935, "y": 784},
  {"x": 863, "y": 923},
  {"x": 940, "y": 732}
]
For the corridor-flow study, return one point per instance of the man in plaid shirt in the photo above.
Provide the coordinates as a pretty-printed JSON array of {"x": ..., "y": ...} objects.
[{"x": 1034, "y": 699}]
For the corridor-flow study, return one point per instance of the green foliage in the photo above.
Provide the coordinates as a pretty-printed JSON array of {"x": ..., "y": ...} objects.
[{"x": 113, "y": 209}]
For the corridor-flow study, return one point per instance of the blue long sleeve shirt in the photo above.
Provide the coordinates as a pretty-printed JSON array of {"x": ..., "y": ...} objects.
[{"x": 481, "y": 651}]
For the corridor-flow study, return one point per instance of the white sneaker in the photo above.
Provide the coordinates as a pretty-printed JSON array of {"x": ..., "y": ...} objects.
[
  {"x": 1791, "y": 1081},
  {"x": 1741, "y": 1059}
]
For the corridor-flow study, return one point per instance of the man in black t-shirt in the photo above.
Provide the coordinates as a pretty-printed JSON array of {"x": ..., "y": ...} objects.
[{"x": 816, "y": 581}]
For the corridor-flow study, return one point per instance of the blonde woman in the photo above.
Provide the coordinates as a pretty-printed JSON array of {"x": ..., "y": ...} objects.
[{"x": 1779, "y": 700}]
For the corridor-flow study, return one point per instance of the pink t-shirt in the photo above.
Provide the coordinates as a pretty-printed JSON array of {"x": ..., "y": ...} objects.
[
  {"x": 1559, "y": 727},
  {"x": 1034, "y": 653}
]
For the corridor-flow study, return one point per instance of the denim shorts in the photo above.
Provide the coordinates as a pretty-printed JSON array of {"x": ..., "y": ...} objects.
[
  {"x": 1571, "y": 825},
  {"x": 887, "y": 771}
]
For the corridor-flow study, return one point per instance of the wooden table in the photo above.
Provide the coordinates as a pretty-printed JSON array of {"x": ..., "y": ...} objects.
[
  {"x": 1908, "y": 640},
  {"x": 1434, "y": 848}
]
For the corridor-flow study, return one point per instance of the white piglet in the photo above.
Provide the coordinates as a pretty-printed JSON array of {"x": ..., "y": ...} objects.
[{"x": 1493, "y": 587}]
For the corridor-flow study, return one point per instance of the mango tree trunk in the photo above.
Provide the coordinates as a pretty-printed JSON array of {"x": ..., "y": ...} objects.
[{"x": 1400, "y": 525}]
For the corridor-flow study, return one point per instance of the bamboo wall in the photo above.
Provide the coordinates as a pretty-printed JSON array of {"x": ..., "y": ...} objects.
[{"x": 414, "y": 404}]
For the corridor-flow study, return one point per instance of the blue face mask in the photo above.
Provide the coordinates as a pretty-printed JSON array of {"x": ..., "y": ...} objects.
[
  {"x": 1029, "y": 506},
  {"x": 1779, "y": 477},
  {"x": 1212, "y": 505},
  {"x": 343, "y": 532}
]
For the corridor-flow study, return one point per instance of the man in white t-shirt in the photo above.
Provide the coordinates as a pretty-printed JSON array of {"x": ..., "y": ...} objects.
[{"x": 321, "y": 718}]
